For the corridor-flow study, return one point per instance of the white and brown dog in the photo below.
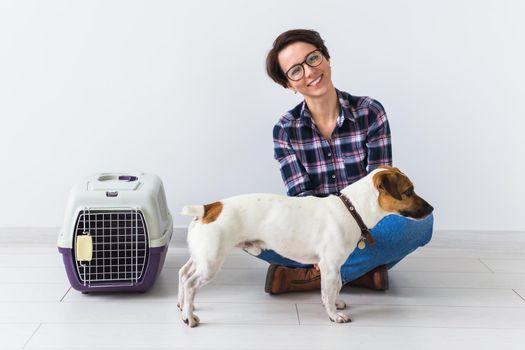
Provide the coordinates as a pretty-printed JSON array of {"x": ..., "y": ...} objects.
[{"x": 309, "y": 230}]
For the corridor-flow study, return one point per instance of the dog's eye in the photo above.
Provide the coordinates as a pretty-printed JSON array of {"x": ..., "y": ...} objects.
[{"x": 409, "y": 192}]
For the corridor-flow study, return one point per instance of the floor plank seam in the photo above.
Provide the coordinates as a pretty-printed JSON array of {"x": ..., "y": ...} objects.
[
  {"x": 325, "y": 324},
  {"x": 488, "y": 268},
  {"x": 32, "y": 335},
  {"x": 519, "y": 294},
  {"x": 65, "y": 294}
]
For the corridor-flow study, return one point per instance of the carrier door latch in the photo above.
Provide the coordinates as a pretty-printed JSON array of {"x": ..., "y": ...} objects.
[{"x": 84, "y": 248}]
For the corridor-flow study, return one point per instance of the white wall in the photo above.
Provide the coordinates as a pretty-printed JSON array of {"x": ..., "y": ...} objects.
[{"x": 178, "y": 88}]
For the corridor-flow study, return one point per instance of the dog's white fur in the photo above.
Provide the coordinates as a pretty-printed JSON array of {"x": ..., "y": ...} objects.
[{"x": 309, "y": 230}]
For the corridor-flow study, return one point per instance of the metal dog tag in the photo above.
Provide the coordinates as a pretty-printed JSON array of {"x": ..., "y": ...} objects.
[{"x": 361, "y": 245}]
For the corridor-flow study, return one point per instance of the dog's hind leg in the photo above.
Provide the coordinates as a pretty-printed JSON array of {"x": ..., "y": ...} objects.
[
  {"x": 330, "y": 287},
  {"x": 184, "y": 272},
  {"x": 203, "y": 273},
  {"x": 189, "y": 289}
]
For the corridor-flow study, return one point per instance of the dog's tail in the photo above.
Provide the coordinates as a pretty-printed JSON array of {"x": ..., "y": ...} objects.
[{"x": 193, "y": 210}]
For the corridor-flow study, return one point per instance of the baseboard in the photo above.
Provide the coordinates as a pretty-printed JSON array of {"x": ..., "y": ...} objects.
[{"x": 179, "y": 234}]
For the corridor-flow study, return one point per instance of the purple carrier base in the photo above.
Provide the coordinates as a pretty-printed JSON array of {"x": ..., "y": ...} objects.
[{"x": 153, "y": 268}]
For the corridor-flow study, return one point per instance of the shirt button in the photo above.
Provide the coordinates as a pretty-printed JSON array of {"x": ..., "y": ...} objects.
[
  {"x": 333, "y": 176},
  {"x": 329, "y": 154}
]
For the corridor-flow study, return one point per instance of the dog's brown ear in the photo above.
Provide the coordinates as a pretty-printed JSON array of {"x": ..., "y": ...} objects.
[{"x": 388, "y": 183}]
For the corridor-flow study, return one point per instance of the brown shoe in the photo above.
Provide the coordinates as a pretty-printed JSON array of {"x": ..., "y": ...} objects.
[
  {"x": 281, "y": 279},
  {"x": 377, "y": 279}
]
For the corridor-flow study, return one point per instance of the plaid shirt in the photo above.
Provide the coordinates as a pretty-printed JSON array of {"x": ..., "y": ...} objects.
[{"x": 312, "y": 165}]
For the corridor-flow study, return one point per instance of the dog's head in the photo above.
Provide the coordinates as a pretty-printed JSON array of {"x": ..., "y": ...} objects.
[{"x": 396, "y": 194}]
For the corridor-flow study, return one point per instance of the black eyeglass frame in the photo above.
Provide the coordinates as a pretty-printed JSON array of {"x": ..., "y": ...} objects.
[{"x": 303, "y": 63}]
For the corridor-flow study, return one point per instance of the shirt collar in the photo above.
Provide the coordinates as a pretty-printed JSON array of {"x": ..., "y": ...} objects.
[{"x": 345, "y": 111}]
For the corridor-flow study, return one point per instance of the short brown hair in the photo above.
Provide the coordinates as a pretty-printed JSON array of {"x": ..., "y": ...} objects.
[{"x": 273, "y": 68}]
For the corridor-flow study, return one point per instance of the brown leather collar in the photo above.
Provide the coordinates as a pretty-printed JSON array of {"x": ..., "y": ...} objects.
[{"x": 365, "y": 231}]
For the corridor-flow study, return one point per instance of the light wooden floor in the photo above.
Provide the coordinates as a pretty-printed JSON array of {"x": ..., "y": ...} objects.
[{"x": 465, "y": 290}]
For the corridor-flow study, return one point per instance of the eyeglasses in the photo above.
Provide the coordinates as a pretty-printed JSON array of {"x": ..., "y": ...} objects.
[{"x": 313, "y": 59}]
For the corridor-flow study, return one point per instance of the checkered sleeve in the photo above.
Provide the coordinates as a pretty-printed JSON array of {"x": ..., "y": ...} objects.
[
  {"x": 378, "y": 138},
  {"x": 294, "y": 175}
]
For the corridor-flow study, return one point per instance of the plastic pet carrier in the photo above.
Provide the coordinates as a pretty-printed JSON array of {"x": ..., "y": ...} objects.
[{"x": 116, "y": 233}]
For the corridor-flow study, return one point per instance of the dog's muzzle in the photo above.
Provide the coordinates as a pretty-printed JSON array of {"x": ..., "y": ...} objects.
[{"x": 423, "y": 209}]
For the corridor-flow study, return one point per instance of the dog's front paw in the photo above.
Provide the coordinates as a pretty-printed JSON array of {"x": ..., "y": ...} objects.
[
  {"x": 192, "y": 320},
  {"x": 340, "y": 318},
  {"x": 340, "y": 305}
]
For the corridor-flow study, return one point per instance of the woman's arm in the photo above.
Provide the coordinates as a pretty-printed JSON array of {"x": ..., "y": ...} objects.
[
  {"x": 294, "y": 175},
  {"x": 378, "y": 138}
]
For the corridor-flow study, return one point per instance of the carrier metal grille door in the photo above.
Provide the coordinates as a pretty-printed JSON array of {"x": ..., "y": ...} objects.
[{"x": 120, "y": 247}]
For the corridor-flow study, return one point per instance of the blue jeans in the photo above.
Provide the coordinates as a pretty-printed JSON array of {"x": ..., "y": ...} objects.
[{"x": 395, "y": 236}]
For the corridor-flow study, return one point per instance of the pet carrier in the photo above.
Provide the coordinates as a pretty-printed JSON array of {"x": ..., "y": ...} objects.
[{"x": 116, "y": 233}]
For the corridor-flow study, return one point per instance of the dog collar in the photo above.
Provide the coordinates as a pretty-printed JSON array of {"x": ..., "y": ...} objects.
[{"x": 366, "y": 235}]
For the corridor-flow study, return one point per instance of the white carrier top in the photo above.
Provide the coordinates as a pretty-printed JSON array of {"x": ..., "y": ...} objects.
[{"x": 120, "y": 191}]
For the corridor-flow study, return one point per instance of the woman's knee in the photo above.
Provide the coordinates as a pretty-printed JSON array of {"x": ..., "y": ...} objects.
[
  {"x": 396, "y": 230},
  {"x": 424, "y": 230}
]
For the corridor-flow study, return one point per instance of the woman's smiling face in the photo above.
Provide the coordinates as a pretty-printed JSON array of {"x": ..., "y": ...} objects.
[{"x": 316, "y": 81}]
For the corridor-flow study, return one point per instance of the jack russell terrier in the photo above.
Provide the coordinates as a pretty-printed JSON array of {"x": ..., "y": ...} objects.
[{"x": 309, "y": 230}]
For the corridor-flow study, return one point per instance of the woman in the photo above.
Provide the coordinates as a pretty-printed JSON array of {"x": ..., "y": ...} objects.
[{"x": 325, "y": 143}]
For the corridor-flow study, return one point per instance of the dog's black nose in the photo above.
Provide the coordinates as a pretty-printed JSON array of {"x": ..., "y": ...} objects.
[{"x": 424, "y": 209}]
